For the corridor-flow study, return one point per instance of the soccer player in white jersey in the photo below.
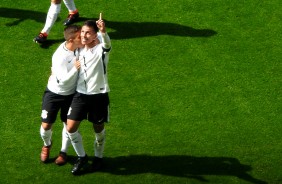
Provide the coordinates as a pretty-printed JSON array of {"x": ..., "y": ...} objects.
[
  {"x": 52, "y": 16},
  {"x": 91, "y": 100},
  {"x": 60, "y": 90}
]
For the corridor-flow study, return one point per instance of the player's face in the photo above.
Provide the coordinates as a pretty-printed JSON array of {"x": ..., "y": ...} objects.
[{"x": 88, "y": 35}]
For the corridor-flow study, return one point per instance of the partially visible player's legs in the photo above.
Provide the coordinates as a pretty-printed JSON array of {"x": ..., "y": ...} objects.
[
  {"x": 51, "y": 18},
  {"x": 76, "y": 141},
  {"x": 99, "y": 144},
  {"x": 66, "y": 142},
  {"x": 73, "y": 12},
  {"x": 98, "y": 117},
  {"x": 46, "y": 135}
]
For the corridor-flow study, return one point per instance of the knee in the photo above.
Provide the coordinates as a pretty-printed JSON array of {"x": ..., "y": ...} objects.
[
  {"x": 72, "y": 126},
  {"x": 46, "y": 126},
  {"x": 56, "y": 1},
  {"x": 98, "y": 127}
]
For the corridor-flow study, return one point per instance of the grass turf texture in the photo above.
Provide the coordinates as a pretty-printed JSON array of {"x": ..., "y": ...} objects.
[{"x": 195, "y": 92}]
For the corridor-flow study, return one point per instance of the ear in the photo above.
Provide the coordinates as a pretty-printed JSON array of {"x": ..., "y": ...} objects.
[{"x": 70, "y": 40}]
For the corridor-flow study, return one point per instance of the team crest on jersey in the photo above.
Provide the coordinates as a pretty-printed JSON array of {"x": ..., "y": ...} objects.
[{"x": 44, "y": 114}]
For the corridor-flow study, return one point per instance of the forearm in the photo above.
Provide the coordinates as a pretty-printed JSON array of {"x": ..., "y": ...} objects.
[
  {"x": 63, "y": 78},
  {"x": 106, "y": 41}
]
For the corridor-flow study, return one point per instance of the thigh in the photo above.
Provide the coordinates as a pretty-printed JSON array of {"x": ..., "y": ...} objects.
[
  {"x": 65, "y": 105},
  {"x": 77, "y": 110},
  {"x": 50, "y": 107},
  {"x": 98, "y": 109}
]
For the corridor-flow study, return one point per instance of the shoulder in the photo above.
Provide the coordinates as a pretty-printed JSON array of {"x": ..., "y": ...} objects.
[{"x": 61, "y": 49}]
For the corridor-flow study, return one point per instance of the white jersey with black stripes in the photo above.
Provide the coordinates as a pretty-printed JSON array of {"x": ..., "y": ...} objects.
[{"x": 93, "y": 77}]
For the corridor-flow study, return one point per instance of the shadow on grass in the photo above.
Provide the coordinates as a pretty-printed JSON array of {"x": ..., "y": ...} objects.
[
  {"x": 21, "y": 15},
  {"x": 50, "y": 42},
  {"x": 121, "y": 30},
  {"x": 189, "y": 167},
  {"x": 127, "y": 30}
]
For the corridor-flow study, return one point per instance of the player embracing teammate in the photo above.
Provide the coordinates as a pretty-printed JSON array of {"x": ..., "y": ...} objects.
[{"x": 91, "y": 99}]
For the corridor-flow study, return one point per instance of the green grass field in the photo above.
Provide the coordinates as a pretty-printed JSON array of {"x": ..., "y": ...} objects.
[{"x": 195, "y": 92}]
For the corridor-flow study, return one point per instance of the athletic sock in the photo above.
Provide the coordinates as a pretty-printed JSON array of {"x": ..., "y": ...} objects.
[
  {"x": 46, "y": 136},
  {"x": 66, "y": 142},
  {"x": 76, "y": 141},
  {"x": 70, "y": 6},
  {"x": 99, "y": 143},
  {"x": 51, "y": 18}
]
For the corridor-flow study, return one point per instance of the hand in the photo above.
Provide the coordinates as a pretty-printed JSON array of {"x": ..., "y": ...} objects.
[
  {"x": 101, "y": 24},
  {"x": 77, "y": 64}
]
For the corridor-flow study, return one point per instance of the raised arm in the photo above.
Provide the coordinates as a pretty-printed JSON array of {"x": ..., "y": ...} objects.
[{"x": 106, "y": 41}]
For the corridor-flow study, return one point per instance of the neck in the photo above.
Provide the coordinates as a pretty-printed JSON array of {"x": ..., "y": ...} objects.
[{"x": 70, "y": 46}]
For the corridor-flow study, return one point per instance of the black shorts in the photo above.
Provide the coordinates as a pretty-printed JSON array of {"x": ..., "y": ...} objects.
[
  {"x": 52, "y": 103},
  {"x": 94, "y": 108}
]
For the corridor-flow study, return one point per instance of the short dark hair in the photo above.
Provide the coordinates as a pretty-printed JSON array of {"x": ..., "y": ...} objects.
[
  {"x": 70, "y": 31},
  {"x": 92, "y": 24}
]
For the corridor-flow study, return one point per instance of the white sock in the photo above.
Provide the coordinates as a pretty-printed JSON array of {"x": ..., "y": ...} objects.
[
  {"x": 66, "y": 142},
  {"x": 70, "y": 5},
  {"x": 99, "y": 143},
  {"x": 76, "y": 141},
  {"x": 46, "y": 136},
  {"x": 51, "y": 18}
]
